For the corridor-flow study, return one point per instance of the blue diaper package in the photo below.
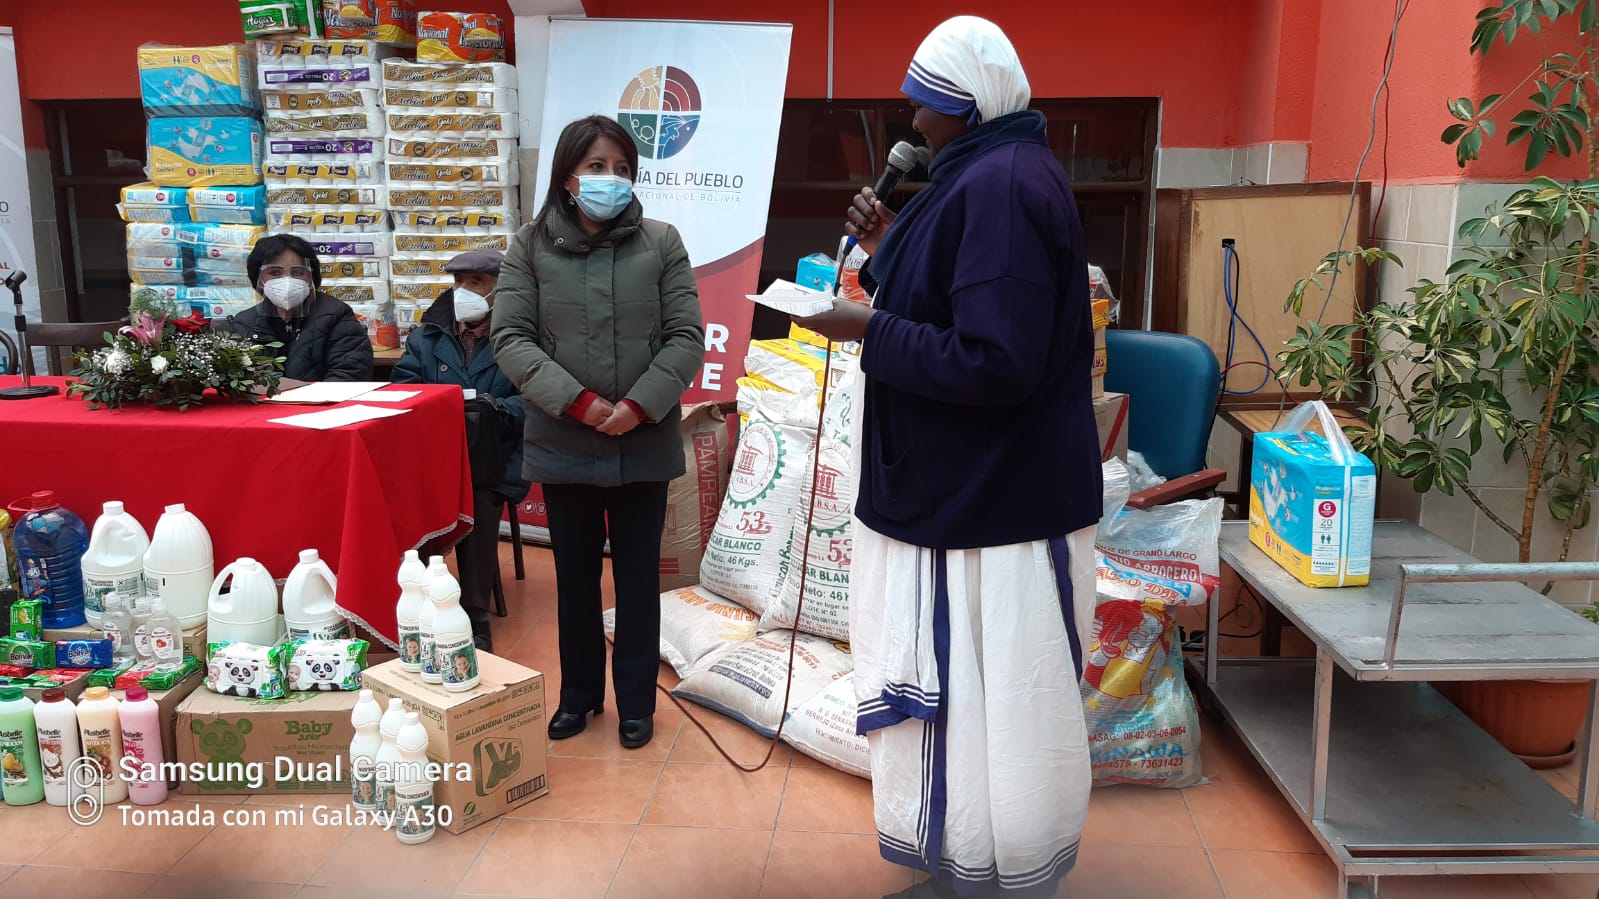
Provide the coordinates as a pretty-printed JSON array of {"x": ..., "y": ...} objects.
[
  {"x": 198, "y": 81},
  {"x": 205, "y": 152},
  {"x": 228, "y": 205}
]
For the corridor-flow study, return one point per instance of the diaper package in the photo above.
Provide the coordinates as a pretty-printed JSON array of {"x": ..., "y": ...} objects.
[
  {"x": 220, "y": 302},
  {"x": 198, "y": 81},
  {"x": 203, "y": 237},
  {"x": 245, "y": 669},
  {"x": 228, "y": 205},
  {"x": 318, "y": 665},
  {"x": 449, "y": 245},
  {"x": 460, "y": 37},
  {"x": 205, "y": 152},
  {"x": 1312, "y": 500},
  {"x": 155, "y": 240},
  {"x": 148, "y": 193},
  {"x": 399, "y": 72},
  {"x": 280, "y": 18}
]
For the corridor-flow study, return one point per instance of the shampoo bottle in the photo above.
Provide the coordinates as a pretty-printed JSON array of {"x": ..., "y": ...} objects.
[
  {"x": 21, "y": 775},
  {"x": 100, "y": 729},
  {"x": 56, "y": 722}
]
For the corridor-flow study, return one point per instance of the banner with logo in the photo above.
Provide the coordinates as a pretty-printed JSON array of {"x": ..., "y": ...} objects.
[
  {"x": 703, "y": 101},
  {"x": 16, "y": 214}
]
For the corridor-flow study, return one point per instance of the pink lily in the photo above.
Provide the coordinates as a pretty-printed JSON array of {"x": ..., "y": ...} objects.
[{"x": 147, "y": 331}]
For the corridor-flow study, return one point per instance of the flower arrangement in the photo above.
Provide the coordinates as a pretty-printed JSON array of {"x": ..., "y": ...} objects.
[{"x": 172, "y": 361}]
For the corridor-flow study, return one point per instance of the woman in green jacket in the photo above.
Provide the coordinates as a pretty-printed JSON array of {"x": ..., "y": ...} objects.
[{"x": 598, "y": 325}]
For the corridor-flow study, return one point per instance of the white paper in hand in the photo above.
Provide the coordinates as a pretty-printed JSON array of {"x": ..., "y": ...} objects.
[{"x": 790, "y": 298}]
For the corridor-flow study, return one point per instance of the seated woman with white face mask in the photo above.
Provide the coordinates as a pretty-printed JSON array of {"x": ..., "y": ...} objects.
[
  {"x": 451, "y": 346},
  {"x": 322, "y": 339}
]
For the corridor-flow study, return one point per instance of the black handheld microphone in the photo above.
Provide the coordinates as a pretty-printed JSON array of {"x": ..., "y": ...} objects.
[{"x": 901, "y": 159}]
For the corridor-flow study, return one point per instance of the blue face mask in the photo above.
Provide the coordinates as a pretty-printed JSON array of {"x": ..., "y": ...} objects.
[{"x": 603, "y": 197}]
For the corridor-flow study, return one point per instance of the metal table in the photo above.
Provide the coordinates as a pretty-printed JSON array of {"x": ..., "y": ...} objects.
[{"x": 1389, "y": 776}]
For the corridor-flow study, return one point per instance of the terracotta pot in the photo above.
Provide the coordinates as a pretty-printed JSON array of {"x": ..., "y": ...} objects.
[{"x": 1534, "y": 719}]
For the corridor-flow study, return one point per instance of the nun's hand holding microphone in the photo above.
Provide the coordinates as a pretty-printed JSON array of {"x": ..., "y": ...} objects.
[{"x": 867, "y": 219}]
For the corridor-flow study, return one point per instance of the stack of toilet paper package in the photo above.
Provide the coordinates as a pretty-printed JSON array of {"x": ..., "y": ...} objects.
[
  {"x": 191, "y": 226},
  {"x": 451, "y": 168}
]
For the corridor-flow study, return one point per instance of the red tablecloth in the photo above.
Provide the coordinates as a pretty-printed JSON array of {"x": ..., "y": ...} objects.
[{"x": 360, "y": 495}]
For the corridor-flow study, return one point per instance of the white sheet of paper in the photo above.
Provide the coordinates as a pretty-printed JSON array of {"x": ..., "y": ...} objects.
[
  {"x": 327, "y": 392},
  {"x": 328, "y": 419},
  {"x": 786, "y": 296},
  {"x": 387, "y": 396}
]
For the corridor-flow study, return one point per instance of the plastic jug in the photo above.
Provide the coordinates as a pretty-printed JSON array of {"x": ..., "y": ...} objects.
[
  {"x": 56, "y": 722},
  {"x": 21, "y": 774},
  {"x": 248, "y": 611},
  {"x": 100, "y": 729},
  {"x": 178, "y": 566},
  {"x": 114, "y": 560},
  {"x": 309, "y": 609},
  {"x": 452, "y": 632},
  {"x": 50, "y": 542},
  {"x": 424, "y": 627},
  {"x": 413, "y": 791},
  {"x": 412, "y": 575},
  {"x": 141, "y": 741},
  {"x": 366, "y": 718},
  {"x": 388, "y": 759}
]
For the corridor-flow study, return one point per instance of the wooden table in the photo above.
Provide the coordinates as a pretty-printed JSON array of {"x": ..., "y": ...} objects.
[{"x": 383, "y": 362}]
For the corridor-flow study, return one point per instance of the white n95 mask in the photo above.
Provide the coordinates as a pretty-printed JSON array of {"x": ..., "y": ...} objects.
[
  {"x": 469, "y": 306},
  {"x": 286, "y": 293}
]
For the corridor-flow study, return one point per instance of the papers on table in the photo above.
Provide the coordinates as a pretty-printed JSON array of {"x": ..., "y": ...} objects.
[
  {"x": 387, "y": 396},
  {"x": 327, "y": 392},
  {"x": 788, "y": 297},
  {"x": 328, "y": 419}
]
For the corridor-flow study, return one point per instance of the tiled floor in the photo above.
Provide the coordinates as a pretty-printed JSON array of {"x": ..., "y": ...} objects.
[{"x": 674, "y": 820}]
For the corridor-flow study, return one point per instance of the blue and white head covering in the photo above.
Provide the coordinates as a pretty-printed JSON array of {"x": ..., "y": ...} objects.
[{"x": 967, "y": 68}]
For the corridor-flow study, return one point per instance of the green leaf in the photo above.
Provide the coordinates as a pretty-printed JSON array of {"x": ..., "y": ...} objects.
[
  {"x": 1460, "y": 108},
  {"x": 1585, "y": 20},
  {"x": 1453, "y": 133},
  {"x": 1536, "y": 151}
]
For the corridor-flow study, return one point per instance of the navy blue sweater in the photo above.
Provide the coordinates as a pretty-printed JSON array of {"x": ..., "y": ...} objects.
[{"x": 979, "y": 419}]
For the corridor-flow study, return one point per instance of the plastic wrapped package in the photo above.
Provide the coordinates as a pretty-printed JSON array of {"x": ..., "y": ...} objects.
[
  {"x": 420, "y": 268},
  {"x": 454, "y": 124},
  {"x": 453, "y": 150},
  {"x": 468, "y": 223},
  {"x": 417, "y": 291},
  {"x": 132, "y": 212},
  {"x": 378, "y": 318},
  {"x": 228, "y": 205},
  {"x": 487, "y": 199},
  {"x": 150, "y": 239},
  {"x": 327, "y": 221},
  {"x": 198, "y": 81},
  {"x": 335, "y": 123},
  {"x": 282, "y": 174},
  {"x": 357, "y": 245},
  {"x": 284, "y": 74},
  {"x": 460, "y": 37},
  {"x": 363, "y": 195},
  {"x": 452, "y": 174},
  {"x": 356, "y": 291},
  {"x": 389, "y": 21},
  {"x": 280, "y": 18},
  {"x": 225, "y": 278},
  {"x": 155, "y": 269},
  {"x": 204, "y": 236},
  {"x": 450, "y": 245},
  {"x": 204, "y": 152},
  {"x": 355, "y": 268},
  {"x": 399, "y": 72},
  {"x": 319, "y": 54},
  {"x": 457, "y": 98},
  {"x": 221, "y": 302}
]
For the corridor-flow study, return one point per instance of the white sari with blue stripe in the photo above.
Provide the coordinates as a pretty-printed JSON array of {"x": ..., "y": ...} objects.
[{"x": 966, "y": 669}]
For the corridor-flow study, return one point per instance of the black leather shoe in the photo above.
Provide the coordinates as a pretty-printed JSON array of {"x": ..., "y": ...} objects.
[
  {"x": 636, "y": 733},
  {"x": 569, "y": 724}
]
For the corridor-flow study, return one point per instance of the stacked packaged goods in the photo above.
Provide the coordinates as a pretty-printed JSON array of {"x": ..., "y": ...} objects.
[
  {"x": 204, "y": 199},
  {"x": 450, "y": 170}
]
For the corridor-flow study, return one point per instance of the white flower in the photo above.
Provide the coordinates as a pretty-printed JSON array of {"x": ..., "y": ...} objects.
[
  {"x": 158, "y": 364},
  {"x": 117, "y": 362}
]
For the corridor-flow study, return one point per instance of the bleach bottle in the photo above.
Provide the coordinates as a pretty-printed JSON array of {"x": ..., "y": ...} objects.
[
  {"x": 366, "y": 719},
  {"x": 388, "y": 760},
  {"x": 178, "y": 566},
  {"x": 406, "y": 613},
  {"x": 424, "y": 626},
  {"x": 114, "y": 561},
  {"x": 413, "y": 791},
  {"x": 452, "y": 632},
  {"x": 247, "y": 612},
  {"x": 50, "y": 542},
  {"x": 309, "y": 609}
]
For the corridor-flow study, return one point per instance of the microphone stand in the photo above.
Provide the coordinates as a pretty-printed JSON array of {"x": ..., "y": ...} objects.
[{"x": 28, "y": 390}]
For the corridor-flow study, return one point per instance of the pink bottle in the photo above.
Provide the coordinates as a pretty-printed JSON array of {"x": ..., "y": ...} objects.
[{"x": 141, "y": 747}]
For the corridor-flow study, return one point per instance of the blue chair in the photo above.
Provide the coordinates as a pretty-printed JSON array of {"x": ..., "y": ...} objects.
[{"x": 1173, "y": 383}]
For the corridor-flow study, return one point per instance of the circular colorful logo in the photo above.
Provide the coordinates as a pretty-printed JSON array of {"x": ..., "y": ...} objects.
[
  {"x": 661, "y": 109},
  {"x": 1327, "y": 509},
  {"x": 757, "y": 466}
]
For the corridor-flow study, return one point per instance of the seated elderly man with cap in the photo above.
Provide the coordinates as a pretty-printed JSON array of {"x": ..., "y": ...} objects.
[{"x": 451, "y": 346}]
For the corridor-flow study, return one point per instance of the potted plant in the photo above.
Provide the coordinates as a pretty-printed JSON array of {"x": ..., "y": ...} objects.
[{"x": 1516, "y": 318}]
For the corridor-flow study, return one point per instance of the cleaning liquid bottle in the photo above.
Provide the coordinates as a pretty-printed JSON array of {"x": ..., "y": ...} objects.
[
  {"x": 114, "y": 561},
  {"x": 247, "y": 612},
  {"x": 309, "y": 609},
  {"x": 413, "y": 790},
  {"x": 178, "y": 566},
  {"x": 141, "y": 741},
  {"x": 50, "y": 542},
  {"x": 425, "y": 627},
  {"x": 143, "y": 653},
  {"x": 21, "y": 774},
  {"x": 366, "y": 718},
  {"x": 166, "y": 637},
  {"x": 452, "y": 631},
  {"x": 116, "y": 625},
  {"x": 388, "y": 759},
  {"x": 412, "y": 576},
  {"x": 100, "y": 729},
  {"x": 56, "y": 723}
]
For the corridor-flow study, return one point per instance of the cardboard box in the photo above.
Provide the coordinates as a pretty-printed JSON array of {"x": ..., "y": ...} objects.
[
  {"x": 496, "y": 730},
  {"x": 1110, "y": 414},
  {"x": 1310, "y": 513},
  {"x": 167, "y": 701},
  {"x": 297, "y": 744},
  {"x": 193, "y": 637}
]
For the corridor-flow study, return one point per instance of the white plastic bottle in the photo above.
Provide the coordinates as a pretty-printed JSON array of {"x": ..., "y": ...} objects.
[
  {"x": 141, "y": 742},
  {"x": 178, "y": 566},
  {"x": 248, "y": 611},
  {"x": 309, "y": 609},
  {"x": 166, "y": 637},
  {"x": 366, "y": 718},
  {"x": 116, "y": 625},
  {"x": 452, "y": 632},
  {"x": 143, "y": 654},
  {"x": 425, "y": 625},
  {"x": 406, "y": 613},
  {"x": 413, "y": 790},
  {"x": 387, "y": 760},
  {"x": 114, "y": 561},
  {"x": 56, "y": 721},
  {"x": 100, "y": 729}
]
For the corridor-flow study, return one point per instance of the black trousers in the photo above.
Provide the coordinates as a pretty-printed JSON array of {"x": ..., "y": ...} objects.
[
  {"x": 578, "y": 516},
  {"x": 477, "y": 558}
]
